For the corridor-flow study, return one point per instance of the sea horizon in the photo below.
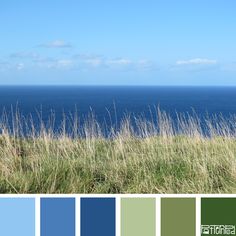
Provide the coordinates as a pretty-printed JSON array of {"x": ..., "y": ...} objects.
[
  {"x": 110, "y": 105},
  {"x": 121, "y": 85}
]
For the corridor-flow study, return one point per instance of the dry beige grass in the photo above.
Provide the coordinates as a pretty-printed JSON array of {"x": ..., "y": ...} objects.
[{"x": 151, "y": 159}]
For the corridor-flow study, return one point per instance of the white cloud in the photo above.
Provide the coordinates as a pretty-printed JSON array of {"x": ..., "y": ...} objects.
[
  {"x": 59, "y": 64},
  {"x": 119, "y": 61},
  {"x": 146, "y": 65},
  {"x": 94, "y": 62},
  {"x": 4, "y": 65},
  {"x": 98, "y": 61},
  {"x": 196, "y": 61},
  {"x": 87, "y": 56},
  {"x": 25, "y": 55},
  {"x": 20, "y": 66},
  {"x": 34, "y": 60},
  {"x": 65, "y": 62},
  {"x": 89, "y": 59},
  {"x": 102, "y": 62},
  {"x": 230, "y": 67},
  {"x": 56, "y": 44}
]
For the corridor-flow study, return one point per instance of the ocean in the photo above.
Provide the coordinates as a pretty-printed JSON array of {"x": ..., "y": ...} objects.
[{"x": 110, "y": 104}]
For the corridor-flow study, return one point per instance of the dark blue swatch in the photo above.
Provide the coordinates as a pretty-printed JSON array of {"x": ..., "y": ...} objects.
[
  {"x": 57, "y": 217},
  {"x": 97, "y": 216}
]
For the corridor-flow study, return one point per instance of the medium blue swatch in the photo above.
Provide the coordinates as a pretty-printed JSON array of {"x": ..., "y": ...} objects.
[
  {"x": 57, "y": 217},
  {"x": 17, "y": 217},
  {"x": 97, "y": 216}
]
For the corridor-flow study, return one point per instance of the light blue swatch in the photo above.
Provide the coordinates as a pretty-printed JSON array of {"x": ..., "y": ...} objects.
[{"x": 17, "y": 216}]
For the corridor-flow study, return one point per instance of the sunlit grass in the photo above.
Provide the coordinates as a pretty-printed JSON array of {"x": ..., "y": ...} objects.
[{"x": 163, "y": 158}]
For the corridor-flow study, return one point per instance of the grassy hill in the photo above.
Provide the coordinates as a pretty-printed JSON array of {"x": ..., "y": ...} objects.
[{"x": 155, "y": 159}]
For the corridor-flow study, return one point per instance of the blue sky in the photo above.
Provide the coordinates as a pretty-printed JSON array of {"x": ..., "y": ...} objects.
[{"x": 89, "y": 42}]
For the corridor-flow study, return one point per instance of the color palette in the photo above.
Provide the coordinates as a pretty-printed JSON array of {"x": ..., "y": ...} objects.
[
  {"x": 218, "y": 216},
  {"x": 178, "y": 217},
  {"x": 17, "y": 217},
  {"x": 57, "y": 216},
  {"x": 98, "y": 216},
  {"x": 138, "y": 217}
]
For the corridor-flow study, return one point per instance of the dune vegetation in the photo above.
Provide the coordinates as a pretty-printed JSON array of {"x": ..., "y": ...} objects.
[{"x": 164, "y": 156}]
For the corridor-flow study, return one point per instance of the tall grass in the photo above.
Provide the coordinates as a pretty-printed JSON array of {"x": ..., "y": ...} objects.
[{"x": 158, "y": 155}]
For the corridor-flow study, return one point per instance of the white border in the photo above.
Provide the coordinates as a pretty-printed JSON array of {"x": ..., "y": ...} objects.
[
  {"x": 158, "y": 216},
  {"x": 118, "y": 215},
  {"x": 37, "y": 215},
  {"x": 198, "y": 215},
  {"x": 77, "y": 216}
]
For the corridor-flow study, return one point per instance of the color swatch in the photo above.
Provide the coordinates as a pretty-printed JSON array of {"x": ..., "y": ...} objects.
[
  {"x": 57, "y": 217},
  {"x": 98, "y": 217},
  {"x": 178, "y": 217},
  {"x": 218, "y": 216},
  {"x": 17, "y": 217},
  {"x": 138, "y": 217}
]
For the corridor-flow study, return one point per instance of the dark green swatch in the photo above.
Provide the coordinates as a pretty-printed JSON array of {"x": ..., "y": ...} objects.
[
  {"x": 178, "y": 217},
  {"x": 138, "y": 217},
  {"x": 218, "y": 216}
]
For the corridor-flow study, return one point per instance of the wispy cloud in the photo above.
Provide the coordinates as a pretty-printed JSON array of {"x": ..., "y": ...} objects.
[
  {"x": 94, "y": 62},
  {"x": 63, "y": 64},
  {"x": 229, "y": 67},
  {"x": 25, "y": 55},
  {"x": 146, "y": 65},
  {"x": 89, "y": 60},
  {"x": 20, "y": 66},
  {"x": 56, "y": 44},
  {"x": 196, "y": 61},
  {"x": 50, "y": 63},
  {"x": 119, "y": 62},
  {"x": 4, "y": 65},
  {"x": 11, "y": 66},
  {"x": 33, "y": 60}
]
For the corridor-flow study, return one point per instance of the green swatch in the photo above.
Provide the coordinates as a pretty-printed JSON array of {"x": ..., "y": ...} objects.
[
  {"x": 218, "y": 216},
  {"x": 178, "y": 217},
  {"x": 138, "y": 217}
]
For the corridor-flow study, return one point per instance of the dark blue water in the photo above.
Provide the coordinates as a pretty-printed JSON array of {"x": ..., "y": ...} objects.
[{"x": 117, "y": 100}]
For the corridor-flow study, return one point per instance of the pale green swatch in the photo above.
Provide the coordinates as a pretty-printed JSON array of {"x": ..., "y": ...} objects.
[
  {"x": 138, "y": 217},
  {"x": 178, "y": 217}
]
